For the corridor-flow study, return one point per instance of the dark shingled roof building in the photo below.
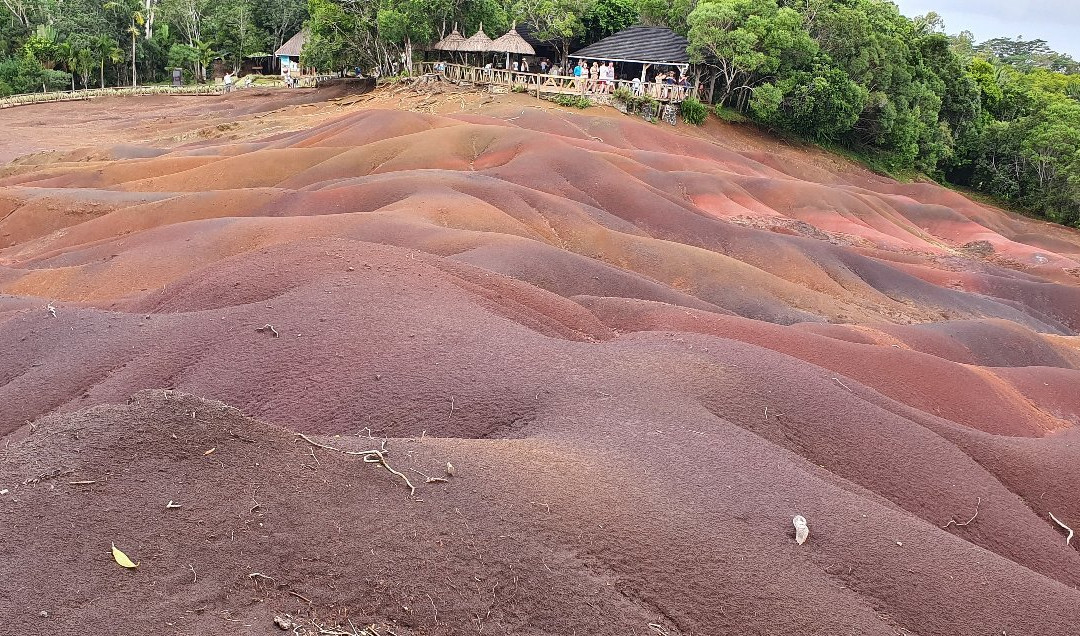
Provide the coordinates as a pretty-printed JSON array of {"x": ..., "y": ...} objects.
[{"x": 639, "y": 45}]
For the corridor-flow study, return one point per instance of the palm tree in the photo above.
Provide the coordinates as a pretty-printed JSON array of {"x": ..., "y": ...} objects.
[
  {"x": 67, "y": 53},
  {"x": 84, "y": 65},
  {"x": 106, "y": 51},
  {"x": 137, "y": 20},
  {"x": 206, "y": 56}
]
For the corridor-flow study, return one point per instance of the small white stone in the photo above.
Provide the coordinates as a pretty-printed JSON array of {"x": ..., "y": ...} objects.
[{"x": 802, "y": 531}]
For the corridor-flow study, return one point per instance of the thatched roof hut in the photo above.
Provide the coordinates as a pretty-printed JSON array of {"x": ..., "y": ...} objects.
[
  {"x": 452, "y": 42},
  {"x": 479, "y": 42},
  {"x": 513, "y": 43}
]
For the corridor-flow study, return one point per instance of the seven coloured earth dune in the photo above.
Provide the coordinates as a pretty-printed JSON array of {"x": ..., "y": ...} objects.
[{"x": 614, "y": 359}]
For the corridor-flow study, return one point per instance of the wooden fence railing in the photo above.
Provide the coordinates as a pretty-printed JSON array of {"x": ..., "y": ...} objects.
[
  {"x": 537, "y": 83},
  {"x": 89, "y": 93}
]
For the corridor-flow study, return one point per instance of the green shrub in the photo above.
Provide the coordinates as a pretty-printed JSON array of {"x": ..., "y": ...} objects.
[
  {"x": 27, "y": 75},
  {"x": 693, "y": 111},
  {"x": 623, "y": 94},
  {"x": 572, "y": 101}
]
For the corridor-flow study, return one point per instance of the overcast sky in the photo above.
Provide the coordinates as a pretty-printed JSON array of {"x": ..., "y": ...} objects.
[{"x": 1056, "y": 21}]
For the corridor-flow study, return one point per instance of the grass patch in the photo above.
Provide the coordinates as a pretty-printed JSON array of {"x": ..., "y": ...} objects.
[{"x": 731, "y": 115}]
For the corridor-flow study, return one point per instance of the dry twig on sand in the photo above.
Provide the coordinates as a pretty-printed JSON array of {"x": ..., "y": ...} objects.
[
  {"x": 268, "y": 327},
  {"x": 374, "y": 456},
  {"x": 428, "y": 479},
  {"x": 1068, "y": 540},
  {"x": 301, "y": 597},
  {"x": 964, "y": 523}
]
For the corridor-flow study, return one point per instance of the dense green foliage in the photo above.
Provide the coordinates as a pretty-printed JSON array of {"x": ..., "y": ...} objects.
[
  {"x": 693, "y": 111},
  {"x": 572, "y": 101},
  {"x": 1001, "y": 117},
  {"x": 54, "y": 44}
]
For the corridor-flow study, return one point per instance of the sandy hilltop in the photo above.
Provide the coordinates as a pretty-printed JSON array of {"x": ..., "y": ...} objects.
[{"x": 614, "y": 359}]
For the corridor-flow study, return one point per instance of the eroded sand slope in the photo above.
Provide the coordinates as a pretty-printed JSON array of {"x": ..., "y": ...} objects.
[{"x": 643, "y": 350}]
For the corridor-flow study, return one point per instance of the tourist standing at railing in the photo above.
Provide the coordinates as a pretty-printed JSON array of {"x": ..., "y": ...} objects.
[
  {"x": 544, "y": 66},
  {"x": 524, "y": 66}
]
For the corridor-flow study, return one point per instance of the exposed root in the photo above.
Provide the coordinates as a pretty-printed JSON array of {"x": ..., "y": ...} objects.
[
  {"x": 1068, "y": 540},
  {"x": 954, "y": 522},
  {"x": 374, "y": 456}
]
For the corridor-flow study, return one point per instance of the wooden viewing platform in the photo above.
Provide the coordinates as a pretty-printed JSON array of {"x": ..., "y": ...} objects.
[{"x": 539, "y": 84}]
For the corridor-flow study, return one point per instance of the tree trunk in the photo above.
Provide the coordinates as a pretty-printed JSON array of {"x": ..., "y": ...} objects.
[
  {"x": 103, "y": 72},
  {"x": 134, "y": 74},
  {"x": 149, "y": 15}
]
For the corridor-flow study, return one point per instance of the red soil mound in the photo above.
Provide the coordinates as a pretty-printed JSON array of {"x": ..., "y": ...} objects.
[{"x": 644, "y": 350}]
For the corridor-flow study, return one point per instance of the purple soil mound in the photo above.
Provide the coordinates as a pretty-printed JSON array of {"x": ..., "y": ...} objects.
[{"x": 641, "y": 351}]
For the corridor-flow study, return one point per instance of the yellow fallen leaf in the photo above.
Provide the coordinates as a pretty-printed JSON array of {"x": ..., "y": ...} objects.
[{"x": 122, "y": 558}]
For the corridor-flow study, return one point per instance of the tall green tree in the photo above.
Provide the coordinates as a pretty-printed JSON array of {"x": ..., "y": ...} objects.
[
  {"x": 747, "y": 42},
  {"x": 605, "y": 17},
  {"x": 134, "y": 30},
  {"x": 558, "y": 21},
  {"x": 105, "y": 52}
]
